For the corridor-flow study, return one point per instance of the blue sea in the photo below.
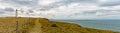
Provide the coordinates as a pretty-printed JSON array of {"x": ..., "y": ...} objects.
[{"x": 113, "y": 25}]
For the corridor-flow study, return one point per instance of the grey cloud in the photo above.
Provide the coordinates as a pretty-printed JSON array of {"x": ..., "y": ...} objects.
[
  {"x": 31, "y": 11},
  {"x": 86, "y": 1},
  {"x": 2, "y": 12},
  {"x": 21, "y": 2},
  {"x": 93, "y": 12},
  {"x": 114, "y": 3},
  {"x": 65, "y": 2},
  {"x": 7, "y": 10},
  {"x": 45, "y": 7},
  {"x": 27, "y": 12}
]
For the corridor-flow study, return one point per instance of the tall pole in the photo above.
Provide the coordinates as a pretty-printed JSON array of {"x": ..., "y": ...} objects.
[
  {"x": 16, "y": 26},
  {"x": 16, "y": 13}
]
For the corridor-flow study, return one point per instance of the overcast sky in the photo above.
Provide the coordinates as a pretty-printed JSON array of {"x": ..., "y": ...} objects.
[{"x": 62, "y": 9}]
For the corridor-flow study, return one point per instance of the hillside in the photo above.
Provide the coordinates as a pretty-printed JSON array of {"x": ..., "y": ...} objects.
[{"x": 42, "y": 25}]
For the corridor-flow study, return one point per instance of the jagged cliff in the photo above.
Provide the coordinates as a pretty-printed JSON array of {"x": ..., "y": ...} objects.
[{"x": 42, "y": 25}]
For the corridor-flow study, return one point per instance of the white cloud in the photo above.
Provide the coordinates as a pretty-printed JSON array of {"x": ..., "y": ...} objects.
[
  {"x": 64, "y": 9},
  {"x": 111, "y": 8},
  {"x": 47, "y": 2},
  {"x": 67, "y": 11}
]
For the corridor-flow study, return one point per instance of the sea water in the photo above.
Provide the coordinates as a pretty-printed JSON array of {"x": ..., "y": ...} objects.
[{"x": 113, "y": 25}]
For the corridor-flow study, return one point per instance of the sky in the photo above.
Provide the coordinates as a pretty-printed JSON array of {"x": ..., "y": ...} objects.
[{"x": 62, "y": 9}]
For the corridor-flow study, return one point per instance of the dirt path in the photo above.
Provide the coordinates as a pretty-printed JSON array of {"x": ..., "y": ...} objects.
[{"x": 36, "y": 28}]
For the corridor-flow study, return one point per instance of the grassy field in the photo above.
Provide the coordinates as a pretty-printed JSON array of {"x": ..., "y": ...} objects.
[{"x": 43, "y": 25}]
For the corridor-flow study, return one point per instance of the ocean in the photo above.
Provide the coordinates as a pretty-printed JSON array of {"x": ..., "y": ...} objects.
[{"x": 113, "y": 25}]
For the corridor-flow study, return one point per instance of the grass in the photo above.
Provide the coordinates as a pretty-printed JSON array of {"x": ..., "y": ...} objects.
[{"x": 43, "y": 25}]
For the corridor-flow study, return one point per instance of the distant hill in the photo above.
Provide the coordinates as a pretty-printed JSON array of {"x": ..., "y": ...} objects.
[{"x": 42, "y": 25}]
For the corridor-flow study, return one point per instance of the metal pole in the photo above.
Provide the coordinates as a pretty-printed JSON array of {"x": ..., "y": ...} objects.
[{"x": 16, "y": 26}]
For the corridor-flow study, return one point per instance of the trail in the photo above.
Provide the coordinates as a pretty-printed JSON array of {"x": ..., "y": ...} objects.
[{"x": 36, "y": 28}]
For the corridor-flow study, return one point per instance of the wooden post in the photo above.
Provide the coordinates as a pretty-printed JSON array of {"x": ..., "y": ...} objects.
[
  {"x": 16, "y": 13},
  {"x": 16, "y": 26}
]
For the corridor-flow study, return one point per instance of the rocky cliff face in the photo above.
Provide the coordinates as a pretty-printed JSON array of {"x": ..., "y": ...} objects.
[{"x": 42, "y": 25}]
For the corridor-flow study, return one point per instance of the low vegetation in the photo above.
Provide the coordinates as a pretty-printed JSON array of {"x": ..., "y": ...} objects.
[{"x": 43, "y": 25}]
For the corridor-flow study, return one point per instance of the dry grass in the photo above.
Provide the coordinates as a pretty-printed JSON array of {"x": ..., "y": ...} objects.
[{"x": 43, "y": 25}]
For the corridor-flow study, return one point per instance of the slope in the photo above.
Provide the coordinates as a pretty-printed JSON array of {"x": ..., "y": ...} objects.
[{"x": 42, "y": 25}]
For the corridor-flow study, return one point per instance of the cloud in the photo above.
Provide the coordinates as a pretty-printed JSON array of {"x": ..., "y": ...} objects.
[
  {"x": 7, "y": 12},
  {"x": 2, "y": 12},
  {"x": 62, "y": 9},
  {"x": 63, "y": 3},
  {"x": 21, "y": 2},
  {"x": 110, "y": 3},
  {"x": 69, "y": 10}
]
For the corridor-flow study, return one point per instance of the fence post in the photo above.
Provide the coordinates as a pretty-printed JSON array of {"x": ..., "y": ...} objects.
[{"x": 16, "y": 26}]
